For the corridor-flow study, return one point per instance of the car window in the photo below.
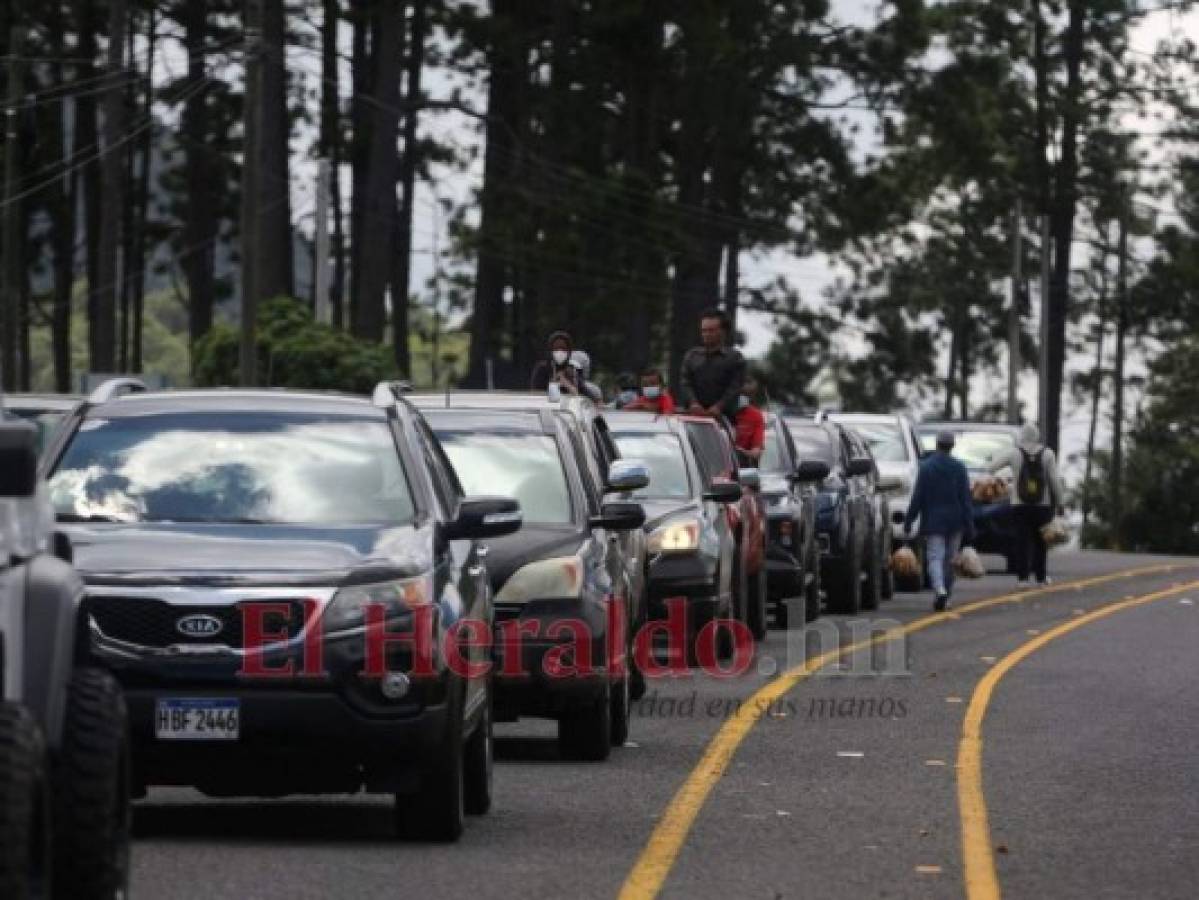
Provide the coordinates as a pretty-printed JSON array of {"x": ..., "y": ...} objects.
[
  {"x": 663, "y": 453},
  {"x": 885, "y": 439},
  {"x": 520, "y": 464},
  {"x": 439, "y": 469},
  {"x": 774, "y": 454},
  {"x": 253, "y": 467},
  {"x": 812, "y": 442},
  {"x": 705, "y": 441}
]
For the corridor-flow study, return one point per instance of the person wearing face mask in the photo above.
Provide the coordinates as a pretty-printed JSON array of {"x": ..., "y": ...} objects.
[
  {"x": 553, "y": 368},
  {"x": 626, "y": 391},
  {"x": 654, "y": 397},
  {"x": 749, "y": 423}
]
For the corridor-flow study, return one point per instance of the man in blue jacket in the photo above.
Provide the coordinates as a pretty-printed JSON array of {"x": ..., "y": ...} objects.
[{"x": 941, "y": 501}]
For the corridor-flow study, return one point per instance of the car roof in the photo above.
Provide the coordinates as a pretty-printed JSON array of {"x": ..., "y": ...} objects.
[
  {"x": 530, "y": 421},
  {"x": 998, "y": 427},
  {"x": 493, "y": 400},
  {"x": 238, "y": 400},
  {"x": 852, "y": 418},
  {"x": 47, "y": 402},
  {"x": 621, "y": 420}
]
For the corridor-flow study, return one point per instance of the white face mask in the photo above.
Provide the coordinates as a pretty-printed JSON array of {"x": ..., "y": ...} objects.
[
  {"x": 742, "y": 402},
  {"x": 652, "y": 393},
  {"x": 561, "y": 356}
]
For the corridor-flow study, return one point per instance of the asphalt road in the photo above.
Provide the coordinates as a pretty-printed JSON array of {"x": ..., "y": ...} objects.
[{"x": 847, "y": 785}]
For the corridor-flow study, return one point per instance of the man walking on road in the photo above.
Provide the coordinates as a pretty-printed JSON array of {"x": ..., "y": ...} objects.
[
  {"x": 941, "y": 501},
  {"x": 712, "y": 373},
  {"x": 1036, "y": 493}
]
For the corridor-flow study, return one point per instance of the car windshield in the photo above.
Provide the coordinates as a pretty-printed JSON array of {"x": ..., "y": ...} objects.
[
  {"x": 812, "y": 443},
  {"x": 224, "y": 467},
  {"x": 663, "y": 453},
  {"x": 884, "y": 439},
  {"x": 523, "y": 465},
  {"x": 979, "y": 449},
  {"x": 772, "y": 452}
]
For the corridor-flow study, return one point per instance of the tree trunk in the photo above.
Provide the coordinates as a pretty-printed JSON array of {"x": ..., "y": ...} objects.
[
  {"x": 274, "y": 243},
  {"x": 1065, "y": 202},
  {"x": 400, "y": 287},
  {"x": 200, "y": 224},
  {"x": 84, "y": 149},
  {"x": 13, "y": 222},
  {"x": 1117, "y": 462},
  {"x": 509, "y": 59},
  {"x": 1096, "y": 394},
  {"x": 102, "y": 331},
  {"x": 141, "y": 222},
  {"x": 330, "y": 142},
  {"x": 382, "y": 172},
  {"x": 62, "y": 237},
  {"x": 360, "y": 118},
  {"x": 952, "y": 367}
]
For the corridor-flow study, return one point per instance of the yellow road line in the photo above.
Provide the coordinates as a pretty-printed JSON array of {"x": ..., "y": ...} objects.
[
  {"x": 650, "y": 871},
  {"x": 982, "y": 882}
]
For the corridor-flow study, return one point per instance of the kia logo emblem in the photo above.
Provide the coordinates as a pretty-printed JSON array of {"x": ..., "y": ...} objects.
[{"x": 199, "y": 626}]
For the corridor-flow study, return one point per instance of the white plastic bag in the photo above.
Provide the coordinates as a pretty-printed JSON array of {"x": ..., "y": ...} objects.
[{"x": 969, "y": 564}]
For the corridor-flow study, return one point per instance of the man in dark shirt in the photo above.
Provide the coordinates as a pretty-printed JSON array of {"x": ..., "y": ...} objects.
[{"x": 712, "y": 373}]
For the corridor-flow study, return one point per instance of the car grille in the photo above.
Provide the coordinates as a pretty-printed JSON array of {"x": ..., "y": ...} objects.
[{"x": 153, "y": 623}]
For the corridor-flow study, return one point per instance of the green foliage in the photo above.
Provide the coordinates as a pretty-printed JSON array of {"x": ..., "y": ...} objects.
[{"x": 295, "y": 351}]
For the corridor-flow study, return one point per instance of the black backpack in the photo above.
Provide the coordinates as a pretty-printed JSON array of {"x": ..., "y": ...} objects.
[{"x": 1030, "y": 486}]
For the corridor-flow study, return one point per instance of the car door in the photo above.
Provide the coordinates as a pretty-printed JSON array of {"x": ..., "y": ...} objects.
[
  {"x": 632, "y": 544},
  {"x": 714, "y": 466}
]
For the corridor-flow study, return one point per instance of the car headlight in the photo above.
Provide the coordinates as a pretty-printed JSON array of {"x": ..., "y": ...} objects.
[
  {"x": 348, "y": 609},
  {"x": 674, "y": 537},
  {"x": 546, "y": 579}
]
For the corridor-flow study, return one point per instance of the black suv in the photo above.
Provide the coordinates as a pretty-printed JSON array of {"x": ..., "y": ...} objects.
[
  {"x": 845, "y": 512},
  {"x": 278, "y": 580},
  {"x": 560, "y": 579},
  {"x": 789, "y": 489}
]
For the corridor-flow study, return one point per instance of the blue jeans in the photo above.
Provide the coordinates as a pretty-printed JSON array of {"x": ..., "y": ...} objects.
[{"x": 942, "y": 551}]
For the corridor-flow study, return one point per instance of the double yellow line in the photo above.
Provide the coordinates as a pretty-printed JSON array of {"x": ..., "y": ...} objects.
[{"x": 665, "y": 843}]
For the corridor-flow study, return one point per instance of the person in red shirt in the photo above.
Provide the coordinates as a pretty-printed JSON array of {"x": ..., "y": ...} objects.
[
  {"x": 750, "y": 424},
  {"x": 654, "y": 397}
]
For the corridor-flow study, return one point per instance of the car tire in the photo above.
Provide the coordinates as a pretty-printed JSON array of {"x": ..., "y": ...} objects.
[
  {"x": 845, "y": 595},
  {"x": 872, "y": 591},
  {"x": 478, "y": 761},
  {"x": 92, "y": 813},
  {"x": 757, "y": 605},
  {"x": 585, "y": 734},
  {"x": 621, "y": 693},
  {"x": 437, "y": 811},
  {"x": 888, "y": 575},
  {"x": 25, "y": 845}
]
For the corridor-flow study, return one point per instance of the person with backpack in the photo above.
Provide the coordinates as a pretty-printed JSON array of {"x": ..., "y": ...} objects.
[
  {"x": 1036, "y": 494},
  {"x": 941, "y": 501}
]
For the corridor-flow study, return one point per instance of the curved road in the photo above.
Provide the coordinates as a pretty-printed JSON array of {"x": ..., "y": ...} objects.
[{"x": 850, "y": 783}]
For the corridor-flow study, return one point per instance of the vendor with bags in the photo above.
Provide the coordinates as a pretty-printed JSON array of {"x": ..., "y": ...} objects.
[
  {"x": 1036, "y": 492},
  {"x": 941, "y": 501}
]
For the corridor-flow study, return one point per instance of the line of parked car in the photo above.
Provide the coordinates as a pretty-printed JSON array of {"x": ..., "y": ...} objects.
[{"x": 284, "y": 592}]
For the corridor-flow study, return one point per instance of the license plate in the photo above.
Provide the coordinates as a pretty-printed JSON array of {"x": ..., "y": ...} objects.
[{"x": 197, "y": 719}]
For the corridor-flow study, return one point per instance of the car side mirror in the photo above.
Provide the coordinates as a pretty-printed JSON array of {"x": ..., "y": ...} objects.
[
  {"x": 485, "y": 517},
  {"x": 627, "y": 475},
  {"x": 859, "y": 466},
  {"x": 750, "y": 479},
  {"x": 723, "y": 492},
  {"x": 812, "y": 470},
  {"x": 18, "y": 460},
  {"x": 620, "y": 515}
]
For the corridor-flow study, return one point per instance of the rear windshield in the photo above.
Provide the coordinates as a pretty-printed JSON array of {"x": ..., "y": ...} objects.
[
  {"x": 223, "y": 467},
  {"x": 663, "y": 453},
  {"x": 523, "y": 465},
  {"x": 979, "y": 449},
  {"x": 812, "y": 443},
  {"x": 885, "y": 439}
]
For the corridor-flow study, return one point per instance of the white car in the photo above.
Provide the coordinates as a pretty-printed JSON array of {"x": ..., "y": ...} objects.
[{"x": 893, "y": 440}]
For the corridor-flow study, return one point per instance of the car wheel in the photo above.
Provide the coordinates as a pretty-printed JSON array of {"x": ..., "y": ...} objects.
[
  {"x": 845, "y": 594},
  {"x": 437, "y": 811},
  {"x": 757, "y": 605},
  {"x": 24, "y": 806},
  {"x": 872, "y": 592},
  {"x": 91, "y": 791},
  {"x": 586, "y": 733},
  {"x": 478, "y": 760},
  {"x": 621, "y": 701},
  {"x": 888, "y": 574}
]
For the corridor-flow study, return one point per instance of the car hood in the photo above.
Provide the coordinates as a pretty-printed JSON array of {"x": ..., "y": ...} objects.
[
  {"x": 533, "y": 542},
  {"x": 658, "y": 511},
  {"x": 278, "y": 555}
]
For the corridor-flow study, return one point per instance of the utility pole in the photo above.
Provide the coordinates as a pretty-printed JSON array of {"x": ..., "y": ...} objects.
[
  {"x": 250, "y": 205},
  {"x": 10, "y": 278},
  {"x": 322, "y": 306},
  {"x": 1117, "y": 479},
  {"x": 1015, "y": 364}
]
